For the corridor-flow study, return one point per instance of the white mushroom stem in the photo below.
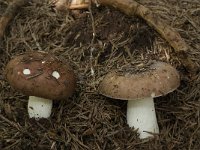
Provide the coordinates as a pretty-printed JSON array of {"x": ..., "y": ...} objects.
[
  {"x": 142, "y": 116},
  {"x": 39, "y": 107}
]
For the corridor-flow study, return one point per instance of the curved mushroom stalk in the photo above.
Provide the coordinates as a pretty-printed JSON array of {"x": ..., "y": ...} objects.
[
  {"x": 39, "y": 107},
  {"x": 141, "y": 114}
]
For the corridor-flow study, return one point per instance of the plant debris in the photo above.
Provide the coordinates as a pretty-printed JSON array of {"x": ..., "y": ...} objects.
[
  {"x": 131, "y": 7},
  {"x": 9, "y": 14}
]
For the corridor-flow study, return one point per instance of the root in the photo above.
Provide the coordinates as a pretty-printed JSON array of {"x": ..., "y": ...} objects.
[
  {"x": 131, "y": 7},
  {"x": 9, "y": 14}
]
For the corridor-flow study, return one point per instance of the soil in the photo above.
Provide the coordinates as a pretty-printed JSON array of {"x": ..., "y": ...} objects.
[{"x": 88, "y": 120}]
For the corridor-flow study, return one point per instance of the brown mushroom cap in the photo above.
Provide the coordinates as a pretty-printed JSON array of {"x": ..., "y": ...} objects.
[
  {"x": 160, "y": 79},
  {"x": 40, "y": 81}
]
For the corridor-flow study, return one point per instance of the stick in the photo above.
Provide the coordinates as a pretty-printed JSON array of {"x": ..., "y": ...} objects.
[
  {"x": 10, "y": 122},
  {"x": 131, "y": 7},
  {"x": 93, "y": 38},
  {"x": 18, "y": 127},
  {"x": 9, "y": 14}
]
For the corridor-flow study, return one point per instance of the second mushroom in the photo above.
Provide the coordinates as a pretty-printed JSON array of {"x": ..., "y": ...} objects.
[
  {"x": 43, "y": 77},
  {"x": 140, "y": 89}
]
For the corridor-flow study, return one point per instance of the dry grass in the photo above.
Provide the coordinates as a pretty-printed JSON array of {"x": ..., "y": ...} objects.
[{"x": 89, "y": 120}]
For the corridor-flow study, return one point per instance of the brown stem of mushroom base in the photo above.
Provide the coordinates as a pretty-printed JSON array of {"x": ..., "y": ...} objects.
[
  {"x": 131, "y": 7},
  {"x": 9, "y": 15}
]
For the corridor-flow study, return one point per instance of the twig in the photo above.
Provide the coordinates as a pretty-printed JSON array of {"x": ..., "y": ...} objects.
[
  {"x": 92, "y": 48},
  {"x": 34, "y": 38},
  {"x": 10, "y": 122},
  {"x": 9, "y": 14},
  {"x": 131, "y": 7},
  {"x": 93, "y": 25},
  {"x": 18, "y": 127}
]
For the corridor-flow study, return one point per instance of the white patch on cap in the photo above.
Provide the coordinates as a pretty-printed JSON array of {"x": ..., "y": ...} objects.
[
  {"x": 43, "y": 62},
  {"x": 26, "y": 71},
  {"x": 55, "y": 74}
]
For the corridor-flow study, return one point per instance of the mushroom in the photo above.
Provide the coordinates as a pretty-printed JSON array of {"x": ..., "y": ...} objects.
[
  {"x": 63, "y": 5},
  {"x": 140, "y": 89},
  {"x": 43, "y": 77}
]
